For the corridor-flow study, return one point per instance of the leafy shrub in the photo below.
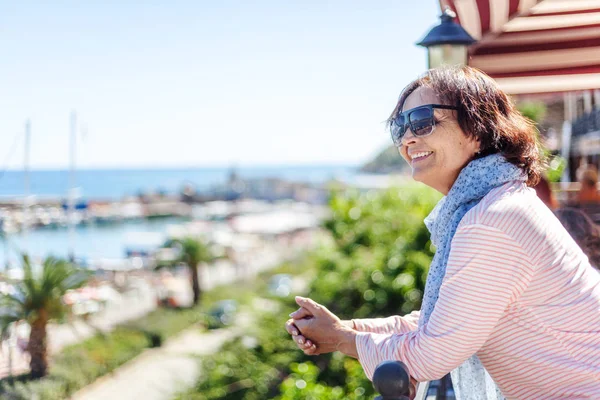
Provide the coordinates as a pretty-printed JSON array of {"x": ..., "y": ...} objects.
[
  {"x": 303, "y": 384},
  {"x": 383, "y": 253},
  {"x": 79, "y": 365},
  {"x": 247, "y": 368},
  {"x": 253, "y": 367},
  {"x": 377, "y": 266}
]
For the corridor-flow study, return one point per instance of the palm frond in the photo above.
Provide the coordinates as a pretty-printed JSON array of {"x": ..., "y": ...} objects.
[
  {"x": 7, "y": 317},
  {"x": 191, "y": 251},
  {"x": 43, "y": 289}
]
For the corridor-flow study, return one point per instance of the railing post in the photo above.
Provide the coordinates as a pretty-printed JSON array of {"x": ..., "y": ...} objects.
[{"x": 391, "y": 380}]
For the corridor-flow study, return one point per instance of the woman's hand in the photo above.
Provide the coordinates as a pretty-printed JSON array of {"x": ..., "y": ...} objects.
[
  {"x": 319, "y": 331},
  {"x": 304, "y": 344}
]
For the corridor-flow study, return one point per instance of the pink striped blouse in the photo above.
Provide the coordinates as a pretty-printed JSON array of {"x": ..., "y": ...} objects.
[{"x": 518, "y": 292}]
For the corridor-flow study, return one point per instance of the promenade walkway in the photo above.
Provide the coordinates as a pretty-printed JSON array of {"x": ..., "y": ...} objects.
[
  {"x": 139, "y": 303},
  {"x": 158, "y": 374}
]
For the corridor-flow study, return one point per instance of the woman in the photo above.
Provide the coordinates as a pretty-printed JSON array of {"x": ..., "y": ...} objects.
[{"x": 509, "y": 294}]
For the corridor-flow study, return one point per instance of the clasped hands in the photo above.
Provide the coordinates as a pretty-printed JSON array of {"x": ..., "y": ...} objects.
[{"x": 316, "y": 330}]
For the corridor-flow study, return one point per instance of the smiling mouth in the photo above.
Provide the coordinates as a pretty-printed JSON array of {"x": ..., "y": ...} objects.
[{"x": 421, "y": 156}]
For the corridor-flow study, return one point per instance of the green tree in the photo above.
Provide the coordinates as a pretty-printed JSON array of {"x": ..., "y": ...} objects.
[
  {"x": 38, "y": 299},
  {"x": 534, "y": 110},
  {"x": 192, "y": 253}
]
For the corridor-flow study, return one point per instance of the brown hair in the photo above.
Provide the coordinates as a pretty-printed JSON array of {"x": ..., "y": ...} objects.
[
  {"x": 486, "y": 114},
  {"x": 583, "y": 230}
]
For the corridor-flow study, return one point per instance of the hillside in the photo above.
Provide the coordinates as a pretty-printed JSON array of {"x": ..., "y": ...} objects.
[{"x": 387, "y": 161}]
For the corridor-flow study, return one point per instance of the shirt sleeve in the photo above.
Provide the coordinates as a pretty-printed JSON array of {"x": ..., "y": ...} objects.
[
  {"x": 394, "y": 324},
  {"x": 486, "y": 271}
]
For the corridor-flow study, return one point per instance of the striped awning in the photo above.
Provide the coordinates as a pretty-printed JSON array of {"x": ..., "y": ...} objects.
[{"x": 534, "y": 46}]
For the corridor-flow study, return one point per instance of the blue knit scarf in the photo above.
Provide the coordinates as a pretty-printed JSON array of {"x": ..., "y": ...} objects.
[{"x": 470, "y": 380}]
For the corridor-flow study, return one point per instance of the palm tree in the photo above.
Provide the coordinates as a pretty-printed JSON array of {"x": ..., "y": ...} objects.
[
  {"x": 192, "y": 253},
  {"x": 38, "y": 299}
]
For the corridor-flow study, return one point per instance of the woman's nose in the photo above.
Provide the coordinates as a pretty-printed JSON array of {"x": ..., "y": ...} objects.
[{"x": 408, "y": 138}]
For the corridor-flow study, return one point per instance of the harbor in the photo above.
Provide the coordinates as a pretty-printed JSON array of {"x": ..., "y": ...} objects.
[
  {"x": 96, "y": 230},
  {"x": 124, "y": 242}
]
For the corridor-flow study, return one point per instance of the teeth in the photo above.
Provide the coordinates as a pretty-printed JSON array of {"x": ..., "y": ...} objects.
[{"x": 421, "y": 154}]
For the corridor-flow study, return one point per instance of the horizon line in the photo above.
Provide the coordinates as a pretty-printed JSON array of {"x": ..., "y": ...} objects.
[{"x": 194, "y": 166}]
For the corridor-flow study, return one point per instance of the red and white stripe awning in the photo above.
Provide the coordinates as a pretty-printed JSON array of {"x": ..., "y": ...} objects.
[{"x": 534, "y": 46}]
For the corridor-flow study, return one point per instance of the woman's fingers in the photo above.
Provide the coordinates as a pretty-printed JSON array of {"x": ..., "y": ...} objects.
[
  {"x": 300, "y": 341},
  {"x": 301, "y": 313},
  {"x": 311, "y": 351},
  {"x": 304, "y": 344},
  {"x": 291, "y": 328},
  {"x": 296, "y": 335}
]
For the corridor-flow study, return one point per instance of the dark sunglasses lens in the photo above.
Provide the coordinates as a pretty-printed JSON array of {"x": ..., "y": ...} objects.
[
  {"x": 398, "y": 129},
  {"x": 421, "y": 121}
]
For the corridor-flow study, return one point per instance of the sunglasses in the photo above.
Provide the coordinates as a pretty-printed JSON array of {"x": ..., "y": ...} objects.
[{"x": 419, "y": 120}]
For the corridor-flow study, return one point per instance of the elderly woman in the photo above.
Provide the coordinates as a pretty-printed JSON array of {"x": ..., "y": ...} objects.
[{"x": 509, "y": 294}]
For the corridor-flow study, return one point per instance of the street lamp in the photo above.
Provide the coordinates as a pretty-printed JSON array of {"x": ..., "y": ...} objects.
[{"x": 447, "y": 43}]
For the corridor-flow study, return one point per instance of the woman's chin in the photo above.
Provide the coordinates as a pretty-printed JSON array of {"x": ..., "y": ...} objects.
[
  {"x": 424, "y": 178},
  {"x": 419, "y": 175}
]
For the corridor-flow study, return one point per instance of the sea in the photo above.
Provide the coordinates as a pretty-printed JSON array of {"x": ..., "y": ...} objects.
[
  {"x": 117, "y": 183},
  {"x": 111, "y": 241}
]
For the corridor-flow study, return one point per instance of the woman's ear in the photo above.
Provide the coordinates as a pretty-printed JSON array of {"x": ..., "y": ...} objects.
[{"x": 477, "y": 146}]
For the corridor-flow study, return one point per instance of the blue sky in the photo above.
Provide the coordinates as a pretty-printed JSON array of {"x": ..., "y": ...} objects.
[{"x": 205, "y": 83}]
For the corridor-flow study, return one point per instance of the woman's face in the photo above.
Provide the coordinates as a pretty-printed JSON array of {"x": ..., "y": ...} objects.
[{"x": 436, "y": 159}]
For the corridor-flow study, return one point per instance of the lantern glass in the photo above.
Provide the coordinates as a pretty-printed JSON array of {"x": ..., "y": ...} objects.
[{"x": 447, "y": 54}]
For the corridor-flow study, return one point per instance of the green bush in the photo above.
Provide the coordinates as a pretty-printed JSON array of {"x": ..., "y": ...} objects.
[
  {"x": 556, "y": 166},
  {"x": 303, "y": 384},
  {"x": 253, "y": 367},
  {"x": 377, "y": 266},
  {"x": 534, "y": 110},
  {"x": 79, "y": 365},
  {"x": 247, "y": 368},
  {"x": 383, "y": 253}
]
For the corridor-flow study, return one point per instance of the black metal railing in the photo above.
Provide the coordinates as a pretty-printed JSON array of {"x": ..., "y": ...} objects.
[
  {"x": 587, "y": 123},
  {"x": 392, "y": 381}
]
